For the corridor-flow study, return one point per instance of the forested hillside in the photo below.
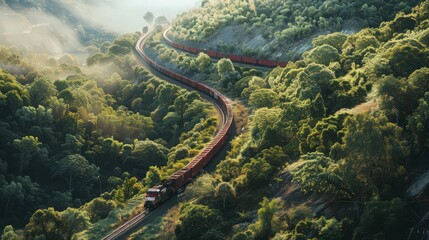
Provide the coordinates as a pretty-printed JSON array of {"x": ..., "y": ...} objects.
[
  {"x": 335, "y": 139},
  {"x": 78, "y": 139},
  {"x": 278, "y": 29}
]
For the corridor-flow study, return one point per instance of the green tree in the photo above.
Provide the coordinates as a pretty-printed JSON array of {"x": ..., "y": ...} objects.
[
  {"x": 40, "y": 91},
  {"x": 196, "y": 220},
  {"x": 203, "y": 189},
  {"x": 257, "y": 172},
  {"x": 74, "y": 221},
  {"x": 264, "y": 98},
  {"x": 153, "y": 176},
  {"x": 12, "y": 192},
  {"x": 27, "y": 147},
  {"x": 323, "y": 54},
  {"x": 204, "y": 62},
  {"x": 418, "y": 122},
  {"x": 9, "y": 233},
  {"x": 268, "y": 220},
  {"x": 404, "y": 59},
  {"x": 161, "y": 20},
  {"x": 129, "y": 188},
  {"x": 322, "y": 228},
  {"x": 75, "y": 168},
  {"x": 99, "y": 208},
  {"x": 225, "y": 190},
  {"x": 224, "y": 66},
  {"x": 44, "y": 224},
  {"x": 148, "y": 153},
  {"x": 335, "y": 40},
  {"x": 372, "y": 152},
  {"x": 149, "y": 17},
  {"x": 320, "y": 174},
  {"x": 382, "y": 220}
]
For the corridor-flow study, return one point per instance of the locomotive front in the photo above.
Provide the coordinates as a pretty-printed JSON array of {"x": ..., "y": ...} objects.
[{"x": 156, "y": 195}]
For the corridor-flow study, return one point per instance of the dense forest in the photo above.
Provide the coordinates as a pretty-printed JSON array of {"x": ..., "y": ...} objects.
[
  {"x": 331, "y": 149},
  {"x": 70, "y": 134}
]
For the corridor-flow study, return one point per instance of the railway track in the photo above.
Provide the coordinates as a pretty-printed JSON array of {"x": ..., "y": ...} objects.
[
  {"x": 223, "y": 107},
  {"x": 118, "y": 232}
]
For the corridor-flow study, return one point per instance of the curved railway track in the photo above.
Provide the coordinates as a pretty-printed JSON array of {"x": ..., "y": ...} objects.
[{"x": 224, "y": 108}]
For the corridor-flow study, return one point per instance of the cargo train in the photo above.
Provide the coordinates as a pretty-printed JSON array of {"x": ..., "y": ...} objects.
[{"x": 160, "y": 193}]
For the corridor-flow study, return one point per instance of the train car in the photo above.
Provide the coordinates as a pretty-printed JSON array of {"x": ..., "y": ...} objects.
[
  {"x": 282, "y": 64},
  {"x": 180, "y": 178},
  {"x": 249, "y": 60},
  {"x": 212, "y": 53},
  {"x": 235, "y": 58},
  {"x": 193, "y": 50},
  {"x": 157, "y": 195}
]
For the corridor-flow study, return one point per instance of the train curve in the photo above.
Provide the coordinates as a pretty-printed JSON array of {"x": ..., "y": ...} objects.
[
  {"x": 214, "y": 54},
  {"x": 201, "y": 160}
]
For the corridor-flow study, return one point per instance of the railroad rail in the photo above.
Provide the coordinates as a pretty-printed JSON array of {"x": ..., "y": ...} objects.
[
  {"x": 215, "y": 54},
  {"x": 194, "y": 167}
]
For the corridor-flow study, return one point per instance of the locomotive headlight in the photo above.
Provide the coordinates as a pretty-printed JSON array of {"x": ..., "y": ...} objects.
[{"x": 150, "y": 199}]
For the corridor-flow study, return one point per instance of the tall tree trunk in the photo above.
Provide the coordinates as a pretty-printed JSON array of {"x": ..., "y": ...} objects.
[
  {"x": 70, "y": 184},
  {"x": 7, "y": 207},
  {"x": 22, "y": 164},
  {"x": 224, "y": 199}
]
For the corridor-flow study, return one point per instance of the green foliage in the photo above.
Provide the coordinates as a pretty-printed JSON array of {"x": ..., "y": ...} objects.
[
  {"x": 335, "y": 40},
  {"x": 153, "y": 176},
  {"x": 196, "y": 221},
  {"x": 320, "y": 174},
  {"x": 324, "y": 54},
  {"x": 382, "y": 220},
  {"x": 40, "y": 91},
  {"x": 9, "y": 234},
  {"x": 321, "y": 228},
  {"x": 204, "y": 62},
  {"x": 45, "y": 223},
  {"x": 405, "y": 59},
  {"x": 203, "y": 189},
  {"x": 257, "y": 172},
  {"x": 76, "y": 168},
  {"x": 227, "y": 73},
  {"x": 263, "y": 98},
  {"x": 225, "y": 190},
  {"x": 74, "y": 221},
  {"x": 129, "y": 188},
  {"x": 147, "y": 153},
  {"x": 372, "y": 152},
  {"x": 50, "y": 224},
  {"x": 268, "y": 220},
  {"x": 283, "y": 20},
  {"x": 418, "y": 122},
  {"x": 99, "y": 208},
  {"x": 27, "y": 146}
]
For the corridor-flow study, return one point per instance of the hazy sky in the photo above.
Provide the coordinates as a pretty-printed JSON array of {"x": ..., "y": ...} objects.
[{"x": 124, "y": 16}]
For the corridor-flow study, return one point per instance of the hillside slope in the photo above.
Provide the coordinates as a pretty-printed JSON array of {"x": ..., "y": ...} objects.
[{"x": 279, "y": 30}]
